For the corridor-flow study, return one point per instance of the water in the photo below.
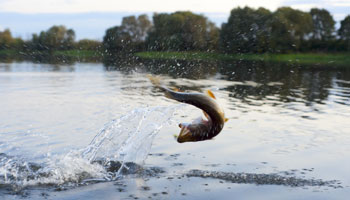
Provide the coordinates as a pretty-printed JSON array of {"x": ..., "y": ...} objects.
[
  {"x": 126, "y": 140},
  {"x": 66, "y": 129}
]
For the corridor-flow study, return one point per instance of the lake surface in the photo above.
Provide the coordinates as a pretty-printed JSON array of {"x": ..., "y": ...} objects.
[{"x": 288, "y": 134}]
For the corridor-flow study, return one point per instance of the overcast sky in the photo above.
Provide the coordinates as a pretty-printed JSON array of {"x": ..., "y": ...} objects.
[{"x": 90, "y": 18}]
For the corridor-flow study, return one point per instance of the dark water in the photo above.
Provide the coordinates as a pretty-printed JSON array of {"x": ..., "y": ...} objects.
[{"x": 288, "y": 134}]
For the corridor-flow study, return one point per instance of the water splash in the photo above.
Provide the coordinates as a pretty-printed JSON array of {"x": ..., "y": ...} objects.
[
  {"x": 127, "y": 139},
  {"x": 69, "y": 168}
]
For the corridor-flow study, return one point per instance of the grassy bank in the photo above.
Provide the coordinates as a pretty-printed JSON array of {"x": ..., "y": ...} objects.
[
  {"x": 8, "y": 52},
  {"x": 68, "y": 53},
  {"x": 77, "y": 53},
  {"x": 301, "y": 58},
  {"x": 68, "y": 56},
  {"x": 322, "y": 59}
]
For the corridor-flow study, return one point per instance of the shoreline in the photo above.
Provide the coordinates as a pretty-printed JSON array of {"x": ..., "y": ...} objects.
[
  {"x": 337, "y": 59},
  {"x": 322, "y": 59}
]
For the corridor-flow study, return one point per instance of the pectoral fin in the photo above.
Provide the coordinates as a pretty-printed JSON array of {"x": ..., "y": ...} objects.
[{"x": 206, "y": 115}]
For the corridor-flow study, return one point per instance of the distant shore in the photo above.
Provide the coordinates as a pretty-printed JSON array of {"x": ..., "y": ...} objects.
[
  {"x": 323, "y": 59},
  {"x": 337, "y": 59},
  {"x": 54, "y": 57}
]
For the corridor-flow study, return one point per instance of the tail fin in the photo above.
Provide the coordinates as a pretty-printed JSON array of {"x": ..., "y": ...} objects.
[{"x": 154, "y": 80}]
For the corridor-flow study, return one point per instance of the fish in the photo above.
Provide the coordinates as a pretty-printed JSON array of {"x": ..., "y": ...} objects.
[{"x": 200, "y": 129}]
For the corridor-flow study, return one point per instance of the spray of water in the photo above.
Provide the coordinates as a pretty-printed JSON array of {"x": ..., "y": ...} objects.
[{"x": 127, "y": 139}]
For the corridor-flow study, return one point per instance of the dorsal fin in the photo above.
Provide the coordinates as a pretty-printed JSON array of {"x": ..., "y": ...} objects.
[{"x": 210, "y": 93}]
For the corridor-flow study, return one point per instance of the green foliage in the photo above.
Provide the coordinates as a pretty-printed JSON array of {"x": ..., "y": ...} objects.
[
  {"x": 323, "y": 24},
  {"x": 251, "y": 30},
  {"x": 7, "y": 52},
  {"x": 344, "y": 32},
  {"x": 87, "y": 44},
  {"x": 289, "y": 28},
  {"x": 8, "y": 42},
  {"x": 247, "y": 30},
  {"x": 77, "y": 53},
  {"x": 128, "y": 37},
  {"x": 323, "y": 32},
  {"x": 55, "y": 38},
  {"x": 298, "y": 58},
  {"x": 182, "y": 31}
]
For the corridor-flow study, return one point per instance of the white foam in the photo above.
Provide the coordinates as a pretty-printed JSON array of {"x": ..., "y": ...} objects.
[{"x": 127, "y": 139}]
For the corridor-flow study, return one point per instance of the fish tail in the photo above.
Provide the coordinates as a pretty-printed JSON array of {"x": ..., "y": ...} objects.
[{"x": 154, "y": 80}]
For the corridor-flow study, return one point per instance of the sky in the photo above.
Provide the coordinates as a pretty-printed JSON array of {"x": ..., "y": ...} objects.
[{"x": 90, "y": 18}]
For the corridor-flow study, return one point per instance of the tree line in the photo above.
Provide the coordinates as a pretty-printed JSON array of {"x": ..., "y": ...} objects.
[
  {"x": 247, "y": 30},
  {"x": 54, "y": 39}
]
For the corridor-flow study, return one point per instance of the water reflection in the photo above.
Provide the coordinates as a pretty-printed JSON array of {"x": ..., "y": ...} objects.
[
  {"x": 252, "y": 80},
  {"x": 35, "y": 67}
]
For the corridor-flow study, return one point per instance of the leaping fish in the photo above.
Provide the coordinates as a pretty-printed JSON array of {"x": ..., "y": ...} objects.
[{"x": 200, "y": 129}]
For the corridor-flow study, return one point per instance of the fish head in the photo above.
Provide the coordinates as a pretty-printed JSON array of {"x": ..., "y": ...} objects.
[
  {"x": 185, "y": 134},
  {"x": 193, "y": 132}
]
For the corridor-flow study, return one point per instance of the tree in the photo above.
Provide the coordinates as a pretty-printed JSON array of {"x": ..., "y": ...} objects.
[
  {"x": 37, "y": 42},
  {"x": 136, "y": 28},
  {"x": 344, "y": 31},
  {"x": 115, "y": 39},
  {"x": 263, "y": 30},
  {"x": 246, "y": 31},
  {"x": 212, "y": 37},
  {"x": 289, "y": 28},
  {"x": 55, "y": 38},
  {"x": 182, "y": 31},
  {"x": 322, "y": 35},
  {"x": 129, "y": 36},
  {"x": 58, "y": 38},
  {"x": 9, "y": 42},
  {"x": 6, "y": 39},
  {"x": 323, "y": 24}
]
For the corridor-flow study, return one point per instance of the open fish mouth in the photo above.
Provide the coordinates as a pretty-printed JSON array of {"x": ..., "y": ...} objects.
[{"x": 185, "y": 134}]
